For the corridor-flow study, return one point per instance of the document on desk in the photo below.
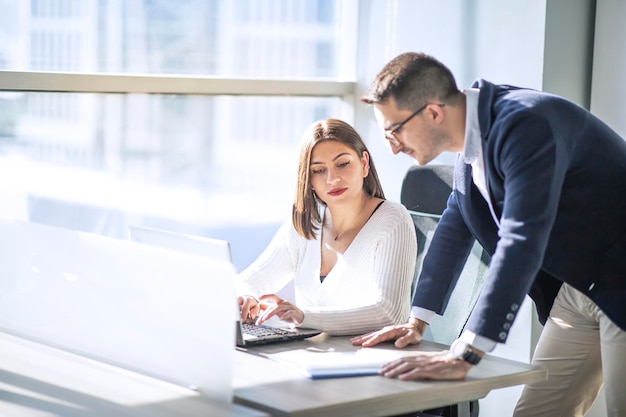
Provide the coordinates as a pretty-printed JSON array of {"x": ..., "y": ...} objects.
[{"x": 319, "y": 363}]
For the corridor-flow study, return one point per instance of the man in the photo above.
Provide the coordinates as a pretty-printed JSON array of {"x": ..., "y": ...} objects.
[{"x": 541, "y": 184}]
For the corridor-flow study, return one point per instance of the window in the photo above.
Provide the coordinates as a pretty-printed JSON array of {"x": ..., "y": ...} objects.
[{"x": 182, "y": 115}]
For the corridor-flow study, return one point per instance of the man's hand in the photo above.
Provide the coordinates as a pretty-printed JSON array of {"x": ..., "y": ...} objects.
[
  {"x": 427, "y": 365},
  {"x": 403, "y": 334}
]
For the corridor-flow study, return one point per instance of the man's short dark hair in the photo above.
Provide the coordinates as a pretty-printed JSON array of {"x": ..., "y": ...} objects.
[{"x": 412, "y": 79}]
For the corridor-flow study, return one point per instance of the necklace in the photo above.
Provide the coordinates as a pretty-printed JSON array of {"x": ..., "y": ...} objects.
[
  {"x": 338, "y": 235},
  {"x": 352, "y": 223}
]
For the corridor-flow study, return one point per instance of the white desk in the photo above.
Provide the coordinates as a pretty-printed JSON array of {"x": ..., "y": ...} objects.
[
  {"x": 37, "y": 380},
  {"x": 266, "y": 385}
]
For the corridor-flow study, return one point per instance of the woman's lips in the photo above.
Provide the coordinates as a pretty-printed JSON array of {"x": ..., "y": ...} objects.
[{"x": 337, "y": 191}]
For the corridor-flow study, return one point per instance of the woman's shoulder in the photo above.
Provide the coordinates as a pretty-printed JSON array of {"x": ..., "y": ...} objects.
[
  {"x": 392, "y": 212},
  {"x": 393, "y": 207}
]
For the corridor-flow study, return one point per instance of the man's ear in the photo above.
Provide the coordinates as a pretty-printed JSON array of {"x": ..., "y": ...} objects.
[{"x": 434, "y": 112}]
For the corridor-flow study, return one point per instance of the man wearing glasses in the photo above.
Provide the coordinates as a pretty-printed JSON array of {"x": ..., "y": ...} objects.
[{"x": 541, "y": 183}]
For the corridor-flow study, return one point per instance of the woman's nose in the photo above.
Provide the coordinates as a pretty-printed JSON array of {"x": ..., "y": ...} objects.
[{"x": 332, "y": 176}]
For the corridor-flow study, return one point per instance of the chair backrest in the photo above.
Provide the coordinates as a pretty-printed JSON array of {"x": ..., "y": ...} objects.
[
  {"x": 425, "y": 191},
  {"x": 426, "y": 188}
]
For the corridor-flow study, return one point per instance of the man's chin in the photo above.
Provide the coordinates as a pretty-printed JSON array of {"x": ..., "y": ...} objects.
[
  {"x": 411, "y": 154},
  {"x": 421, "y": 162}
]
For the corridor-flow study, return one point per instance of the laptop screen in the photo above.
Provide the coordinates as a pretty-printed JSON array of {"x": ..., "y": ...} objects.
[
  {"x": 196, "y": 245},
  {"x": 140, "y": 307}
]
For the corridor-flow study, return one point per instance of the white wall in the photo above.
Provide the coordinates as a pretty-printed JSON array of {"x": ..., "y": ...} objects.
[{"x": 608, "y": 93}]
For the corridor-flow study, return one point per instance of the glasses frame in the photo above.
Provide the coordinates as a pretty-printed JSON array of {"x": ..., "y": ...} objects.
[{"x": 391, "y": 133}]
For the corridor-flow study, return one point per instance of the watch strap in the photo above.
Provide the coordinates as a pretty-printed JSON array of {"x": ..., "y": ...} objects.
[
  {"x": 465, "y": 352},
  {"x": 470, "y": 356}
]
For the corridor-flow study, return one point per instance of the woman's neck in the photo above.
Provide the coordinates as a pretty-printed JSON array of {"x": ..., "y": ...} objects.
[{"x": 347, "y": 216}]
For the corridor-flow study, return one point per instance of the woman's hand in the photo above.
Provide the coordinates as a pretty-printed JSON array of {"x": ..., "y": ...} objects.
[
  {"x": 273, "y": 305},
  {"x": 249, "y": 307}
]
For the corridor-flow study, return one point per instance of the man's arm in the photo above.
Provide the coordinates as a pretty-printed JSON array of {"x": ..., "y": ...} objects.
[
  {"x": 453, "y": 240},
  {"x": 428, "y": 365}
]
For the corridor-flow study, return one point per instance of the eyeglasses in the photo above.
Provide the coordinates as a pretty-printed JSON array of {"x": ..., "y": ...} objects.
[{"x": 390, "y": 134}]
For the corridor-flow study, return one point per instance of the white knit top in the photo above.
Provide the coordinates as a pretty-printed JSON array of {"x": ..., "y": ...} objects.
[{"x": 368, "y": 288}]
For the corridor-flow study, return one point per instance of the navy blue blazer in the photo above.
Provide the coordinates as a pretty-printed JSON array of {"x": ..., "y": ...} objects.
[{"x": 556, "y": 176}]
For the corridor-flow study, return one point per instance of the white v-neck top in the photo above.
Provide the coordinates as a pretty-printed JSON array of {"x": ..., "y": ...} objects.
[{"x": 368, "y": 288}]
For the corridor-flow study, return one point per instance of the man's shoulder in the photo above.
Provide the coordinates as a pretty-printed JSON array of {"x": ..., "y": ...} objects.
[{"x": 487, "y": 86}]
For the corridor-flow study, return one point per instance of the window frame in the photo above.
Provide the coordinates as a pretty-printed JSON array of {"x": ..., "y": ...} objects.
[{"x": 71, "y": 82}]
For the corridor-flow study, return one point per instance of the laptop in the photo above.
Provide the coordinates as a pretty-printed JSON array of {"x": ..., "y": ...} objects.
[
  {"x": 272, "y": 331},
  {"x": 247, "y": 334},
  {"x": 193, "y": 244}
]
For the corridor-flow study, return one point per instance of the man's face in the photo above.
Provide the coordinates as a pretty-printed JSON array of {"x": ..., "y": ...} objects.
[{"x": 412, "y": 132}]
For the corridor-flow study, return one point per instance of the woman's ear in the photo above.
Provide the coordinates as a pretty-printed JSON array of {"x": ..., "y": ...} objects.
[{"x": 365, "y": 161}]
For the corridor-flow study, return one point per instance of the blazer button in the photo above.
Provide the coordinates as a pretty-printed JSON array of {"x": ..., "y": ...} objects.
[
  {"x": 514, "y": 307},
  {"x": 506, "y": 326},
  {"x": 510, "y": 316},
  {"x": 502, "y": 335}
]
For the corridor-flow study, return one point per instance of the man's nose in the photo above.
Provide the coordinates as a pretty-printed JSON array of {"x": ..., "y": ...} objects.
[
  {"x": 394, "y": 141},
  {"x": 395, "y": 146}
]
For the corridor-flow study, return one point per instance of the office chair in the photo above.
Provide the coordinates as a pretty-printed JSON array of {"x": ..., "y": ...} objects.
[
  {"x": 425, "y": 191},
  {"x": 426, "y": 188}
]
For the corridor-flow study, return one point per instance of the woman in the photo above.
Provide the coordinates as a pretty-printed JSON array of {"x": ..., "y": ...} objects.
[{"x": 350, "y": 252}]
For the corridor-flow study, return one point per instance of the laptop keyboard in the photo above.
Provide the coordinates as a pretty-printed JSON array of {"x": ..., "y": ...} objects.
[{"x": 259, "y": 331}]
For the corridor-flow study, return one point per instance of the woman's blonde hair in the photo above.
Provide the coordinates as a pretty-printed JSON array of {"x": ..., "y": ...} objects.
[{"x": 305, "y": 214}]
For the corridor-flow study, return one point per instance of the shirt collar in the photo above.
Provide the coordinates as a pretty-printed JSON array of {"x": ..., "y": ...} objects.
[{"x": 472, "y": 148}]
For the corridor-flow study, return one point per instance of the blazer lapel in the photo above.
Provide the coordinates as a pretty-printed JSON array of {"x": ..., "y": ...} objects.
[{"x": 473, "y": 207}]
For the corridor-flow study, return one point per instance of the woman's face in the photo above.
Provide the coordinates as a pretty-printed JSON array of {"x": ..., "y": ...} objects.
[{"x": 337, "y": 172}]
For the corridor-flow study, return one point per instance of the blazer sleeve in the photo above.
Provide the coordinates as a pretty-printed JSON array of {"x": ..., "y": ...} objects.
[{"x": 444, "y": 261}]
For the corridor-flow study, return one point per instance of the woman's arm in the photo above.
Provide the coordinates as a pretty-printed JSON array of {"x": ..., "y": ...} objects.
[{"x": 275, "y": 267}]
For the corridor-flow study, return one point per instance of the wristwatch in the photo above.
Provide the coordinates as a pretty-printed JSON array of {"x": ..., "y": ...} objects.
[{"x": 465, "y": 352}]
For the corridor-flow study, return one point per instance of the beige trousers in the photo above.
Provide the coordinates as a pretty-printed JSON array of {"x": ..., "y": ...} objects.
[{"x": 581, "y": 348}]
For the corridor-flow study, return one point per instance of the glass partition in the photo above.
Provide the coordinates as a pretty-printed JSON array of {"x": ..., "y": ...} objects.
[{"x": 155, "y": 311}]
